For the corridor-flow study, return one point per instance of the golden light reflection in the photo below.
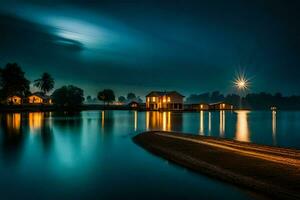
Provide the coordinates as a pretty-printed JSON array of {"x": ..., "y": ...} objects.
[
  {"x": 242, "y": 129},
  {"x": 35, "y": 120},
  {"x": 222, "y": 123},
  {"x": 102, "y": 118},
  {"x": 169, "y": 121},
  {"x": 13, "y": 121},
  {"x": 274, "y": 127},
  {"x": 135, "y": 120},
  {"x": 164, "y": 121},
  {"x": 201, "y": 127},
  {"x": 158, "y": 121},
  {"x": 147, "y": 120}
]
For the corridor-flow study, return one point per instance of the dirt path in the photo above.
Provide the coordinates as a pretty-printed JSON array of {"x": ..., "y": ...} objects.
[{"x": 270, "y": 170}]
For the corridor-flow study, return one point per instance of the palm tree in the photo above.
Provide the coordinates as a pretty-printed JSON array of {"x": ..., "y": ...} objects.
[{"x": 45, "y": 83}]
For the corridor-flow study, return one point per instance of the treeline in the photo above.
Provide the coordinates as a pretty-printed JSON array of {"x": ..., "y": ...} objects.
[
  {"x": 107, "y": 96},
  {"x": 260, "y": 100},
  {"x": 13, "y": 82}
]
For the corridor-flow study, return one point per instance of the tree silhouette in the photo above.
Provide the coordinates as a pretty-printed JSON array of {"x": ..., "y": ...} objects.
[
  {"x": 45, "y": 83},
  {"x": 13, "y": 81},
  {"x": 131, "y": 96},
  {"x": 89, "y": 99},
  {"x": 121, "y": 99},
  {"x": 69, "y": 96},
  {"x": 106, "y": 95}
]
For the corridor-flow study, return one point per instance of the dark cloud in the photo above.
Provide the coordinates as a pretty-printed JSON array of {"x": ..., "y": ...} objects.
[{"x": 191, "y": 46}]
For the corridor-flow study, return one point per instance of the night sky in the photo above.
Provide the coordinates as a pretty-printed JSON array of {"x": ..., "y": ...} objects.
[{"x": 138, "y": 46}]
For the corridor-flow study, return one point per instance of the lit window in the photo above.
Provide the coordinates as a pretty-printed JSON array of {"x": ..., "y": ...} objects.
[
  {"x": 164, "y": 99},
  {"x": 201, "y": 106},
  {"x": 148, "y": 99},
  {"x": 153, "y": 99},
  {"x": 169, "y": 99}
]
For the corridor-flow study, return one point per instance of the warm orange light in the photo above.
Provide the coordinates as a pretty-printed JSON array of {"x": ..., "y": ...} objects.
[
  {"x": 35, "y": 120},
  {"x": 102, "y": 119},
  {"x": 164, "y": 99},
  {"x": 201, "y": 106},
  {"x": 242, "y": 129},
  {"x": 201, "y": 125},
  {"x": 147, "y": 120},
  {"x": 14, "y": 121},
  {"x": 153, "y": 99},
  {"x": 222, "y": 123},
  {"x": 14, "y": 100},
  {"x": 169, "y": 99},
  {"x": 158, "y": 121},
  {"x": 35, "y": 99}
]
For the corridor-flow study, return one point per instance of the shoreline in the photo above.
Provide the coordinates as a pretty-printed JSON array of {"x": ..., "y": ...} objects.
[
  {"x": 271, "y": 171},
  {"x": 42, "y": 108},
  {"x": 48, "y": 108}
]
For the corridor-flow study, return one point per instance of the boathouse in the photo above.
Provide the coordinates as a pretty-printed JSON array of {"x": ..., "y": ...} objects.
[
  {"x": 134, "y": 105},
  {"x": 157, "y": 100},
  {"x": 197, "y": 106},
  {"x": 220, "y": 106}
]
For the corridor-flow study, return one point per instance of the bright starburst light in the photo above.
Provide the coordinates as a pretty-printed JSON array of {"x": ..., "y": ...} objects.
[{"x": 241, "y": 82}]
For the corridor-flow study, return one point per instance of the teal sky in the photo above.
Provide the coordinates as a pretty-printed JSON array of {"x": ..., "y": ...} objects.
[{"x": 138, "y": 46}]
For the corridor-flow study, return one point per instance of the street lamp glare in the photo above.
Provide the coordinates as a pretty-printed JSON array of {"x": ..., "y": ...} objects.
[{"x": 241, "y": 83}]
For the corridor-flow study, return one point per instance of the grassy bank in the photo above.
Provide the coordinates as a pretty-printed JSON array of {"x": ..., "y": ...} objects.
[{"x": 268, "y": 170}]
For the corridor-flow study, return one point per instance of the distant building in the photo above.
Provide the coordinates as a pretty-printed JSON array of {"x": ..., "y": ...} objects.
[
  {"x": 197, "y": 106},
  {"x": 14, "y": 100},
  {"x": 39, "y": 98},
  {"x": 172, "y": 100},
  {"x": 220, "y": 106},
  {"x": 134, "y": 105}
]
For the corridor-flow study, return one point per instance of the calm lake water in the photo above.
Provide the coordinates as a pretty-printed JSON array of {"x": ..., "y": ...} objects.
[{"x": 91, "y": 154}]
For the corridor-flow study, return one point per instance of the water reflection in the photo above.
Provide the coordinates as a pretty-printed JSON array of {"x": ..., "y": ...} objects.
[
  {"x": 201, "y": 124},
  {"x": 274, "y": 127},
  {"x": 165, "y": 121},
  {"x": 222, "y": 123},
  {"x": 35, "y": 121},
  {"x": 67, "y": 120},
  {"x": 13, "y": 122},
  {"x": 209, "y": 123},
  {"x": 11, "y": 135},
  {"x": 102, "y": 118},
  {"x": 135, "y": 120},
  {"x": 107, "y": 120},
  {"x": 242, "y": 130}
]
